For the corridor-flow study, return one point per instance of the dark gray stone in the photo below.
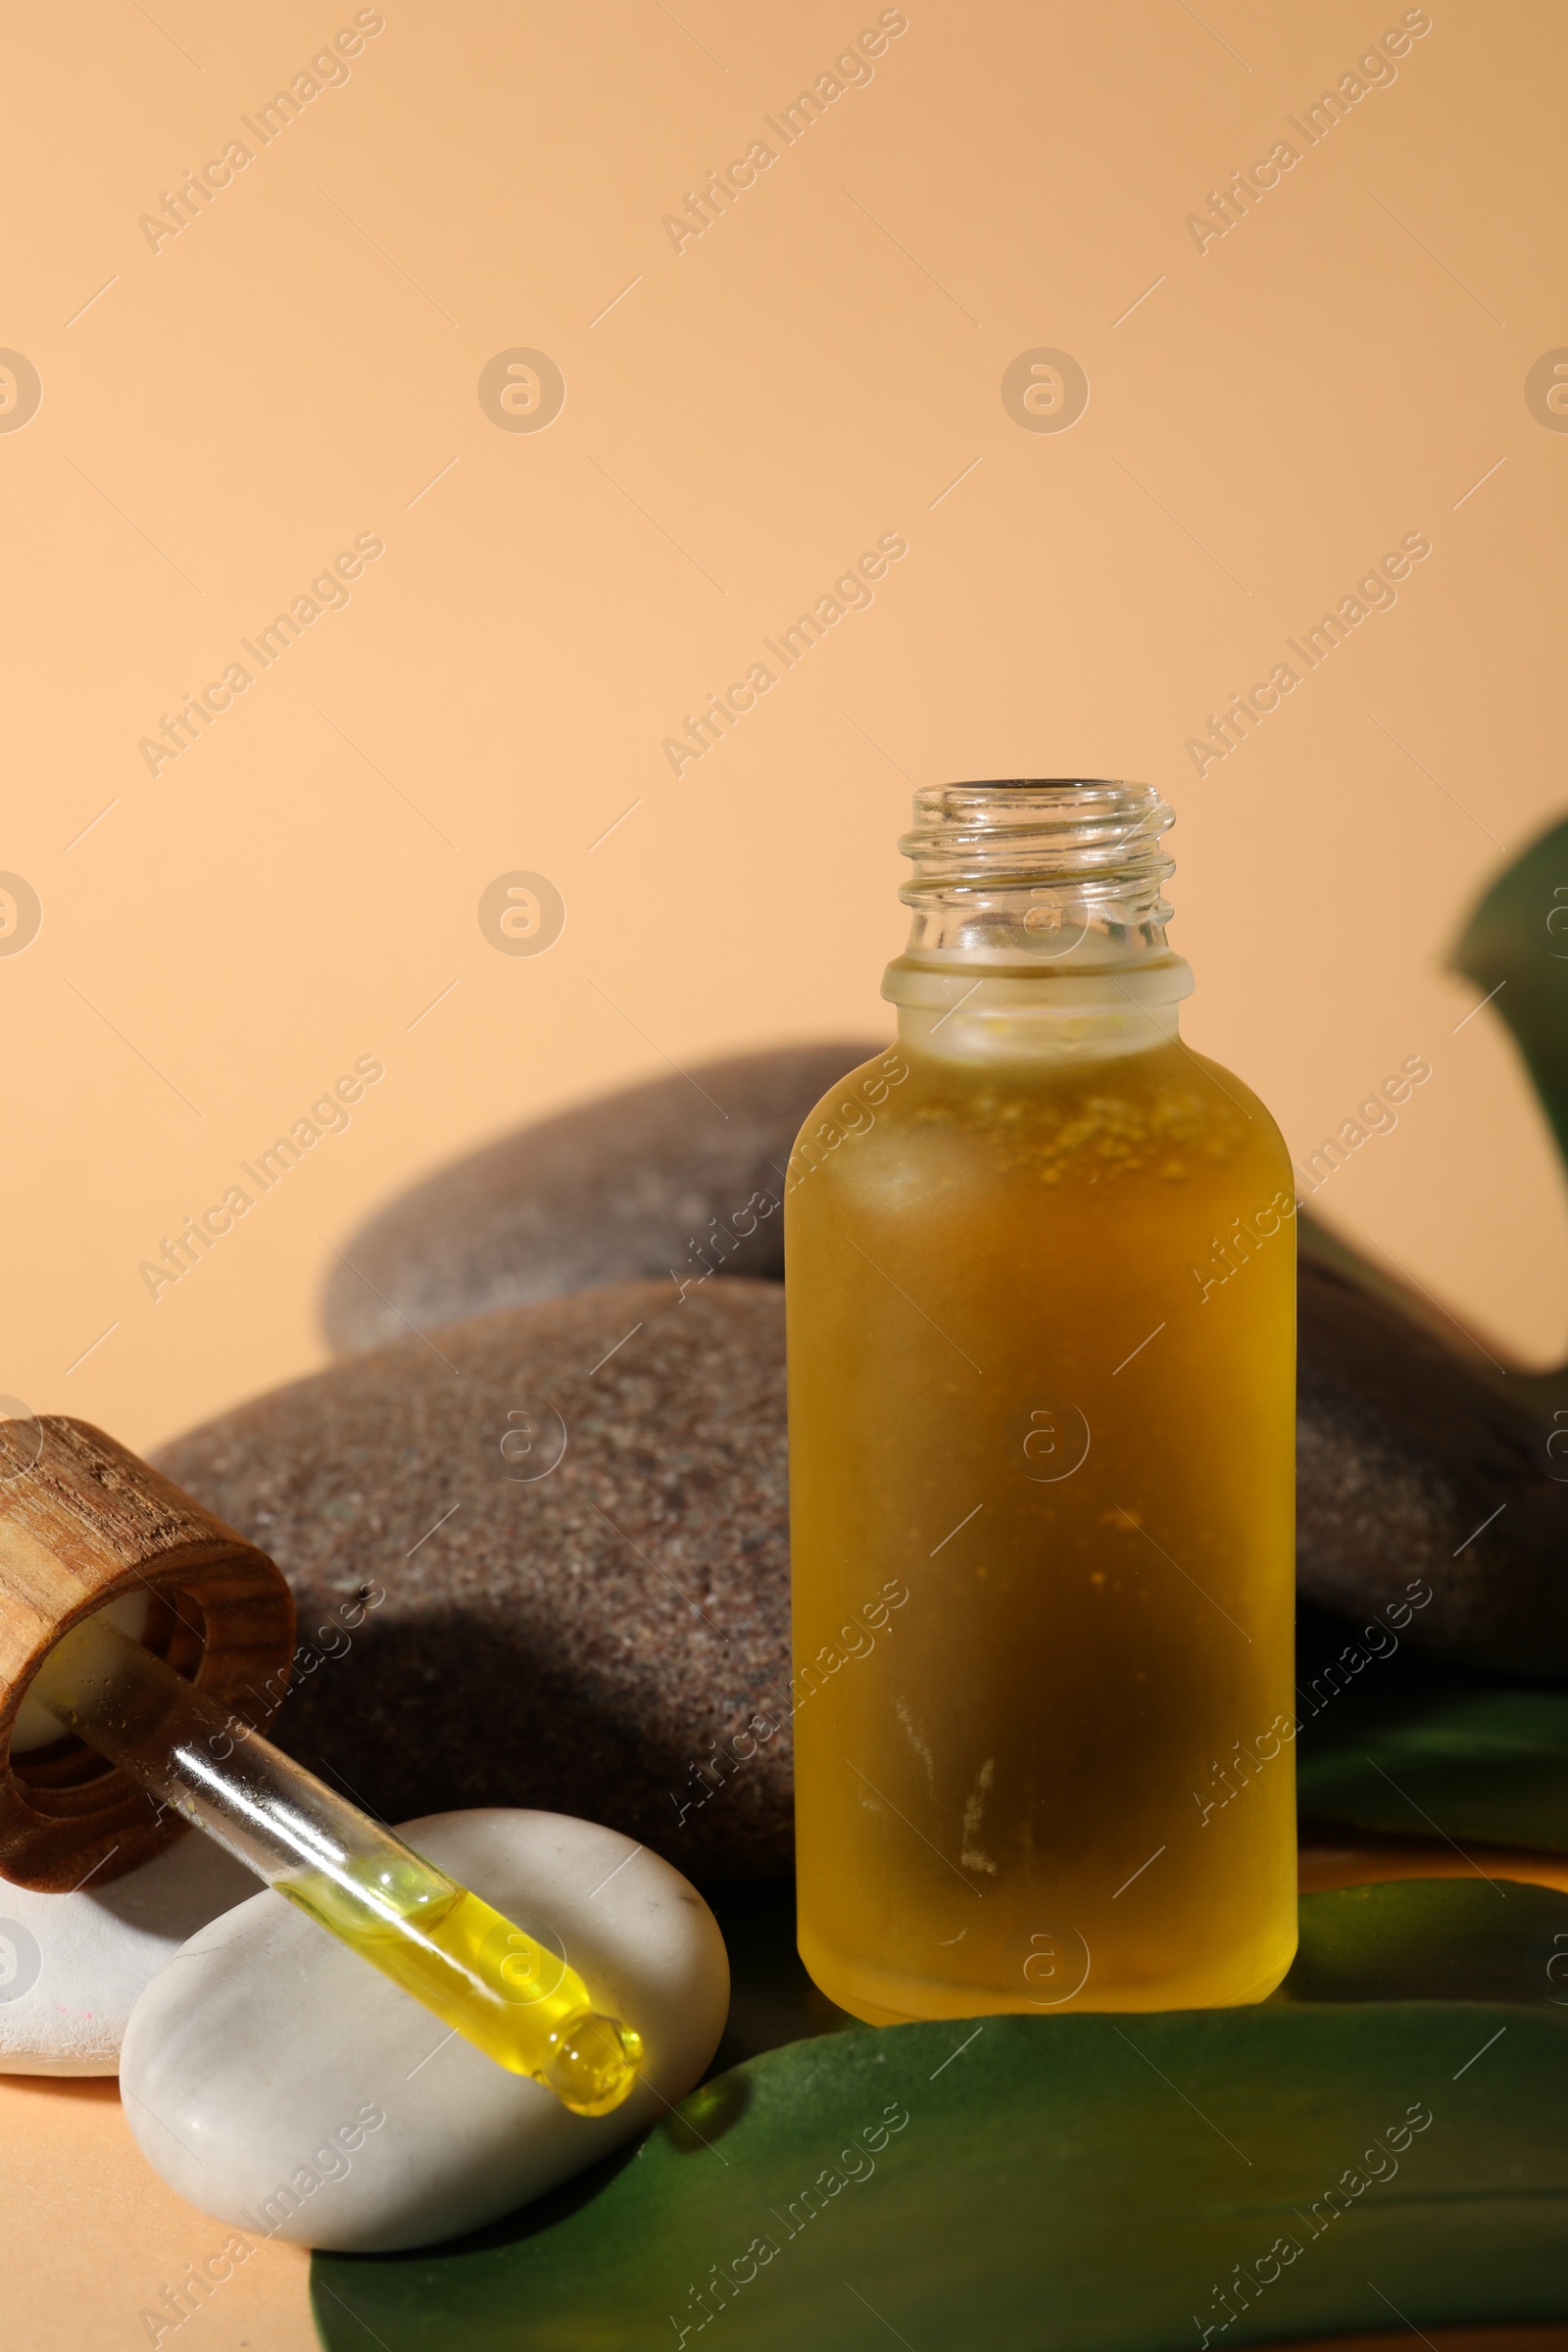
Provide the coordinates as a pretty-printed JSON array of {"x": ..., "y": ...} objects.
[
  {"x": 576, "y": 1638},
  {"x": 1417, "y": 1465},
  {"x": 637, "y": 1185}
]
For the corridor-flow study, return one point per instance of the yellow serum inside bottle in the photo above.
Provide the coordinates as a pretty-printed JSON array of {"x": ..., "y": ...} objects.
[{"x": 1041, "y": 1281}]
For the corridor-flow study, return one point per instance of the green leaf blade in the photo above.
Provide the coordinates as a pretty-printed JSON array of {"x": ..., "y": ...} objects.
[
  {"x": 1514, "y": 946},
  {"x": 1088, "y": 2182}
]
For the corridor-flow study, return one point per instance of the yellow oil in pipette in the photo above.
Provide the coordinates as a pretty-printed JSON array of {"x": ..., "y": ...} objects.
[
  {"x": 490, "y": 1980},
  {"x": 481, "y": 1974}
]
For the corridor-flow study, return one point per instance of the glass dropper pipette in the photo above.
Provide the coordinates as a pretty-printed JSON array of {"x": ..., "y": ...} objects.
[{"x": 515, "y": 2000}]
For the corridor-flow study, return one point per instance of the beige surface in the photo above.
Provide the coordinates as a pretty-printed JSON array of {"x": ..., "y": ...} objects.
[
  {"x": 1362, "y": 1859},
  {"x": 93, "y": 2239},
  {"x": 298, "y": 365}
]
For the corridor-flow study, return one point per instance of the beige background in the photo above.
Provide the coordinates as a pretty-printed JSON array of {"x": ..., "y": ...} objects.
[
  {"x": 299, "y": 888},
  {"x": 298, "y": 365}
]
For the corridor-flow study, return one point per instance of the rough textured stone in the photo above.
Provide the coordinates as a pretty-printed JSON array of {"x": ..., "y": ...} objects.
[
  {"x": 577, "y": 1640},
  {"x": 1404, "y": 1451},
  {"x": 630, "y": 1187},
  {"x": 279, "y": 2082},
  {"x": 72, "y": 1965}
]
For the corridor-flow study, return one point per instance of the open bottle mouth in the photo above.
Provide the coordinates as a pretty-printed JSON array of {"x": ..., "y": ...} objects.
[{"x": 1038, "y": 866}]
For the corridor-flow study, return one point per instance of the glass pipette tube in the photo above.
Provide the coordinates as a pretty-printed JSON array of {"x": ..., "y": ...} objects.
[{"x": 498, "y": 1985}]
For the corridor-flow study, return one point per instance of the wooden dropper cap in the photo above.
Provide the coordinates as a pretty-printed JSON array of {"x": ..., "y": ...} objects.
[{"x": 83, "y": 1523}]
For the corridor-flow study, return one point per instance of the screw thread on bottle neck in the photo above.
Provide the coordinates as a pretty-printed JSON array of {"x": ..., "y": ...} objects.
[
  {"x": 1038, "y": 867},
  {"x": 1035, "y": 902}
]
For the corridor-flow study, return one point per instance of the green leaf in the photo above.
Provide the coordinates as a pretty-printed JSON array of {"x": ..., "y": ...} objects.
[
  {"x": 1416, "y": 1746},
  {"x": 1086, "y": 2183},
  {"x": 1432, "y": 1940},
  {"x": 1411, "y": 1745},
  {"x": 1516, "y": 944}
]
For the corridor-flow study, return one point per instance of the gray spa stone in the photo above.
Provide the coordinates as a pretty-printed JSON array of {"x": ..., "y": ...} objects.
[
  {"x": 638, "y": 1184},
  {"x": 72, "y": 1965},
  {"x": 540, "y": 1559},
  {"x": 285, "y": 2088},
  {"x": 1419, "y": 1471}
]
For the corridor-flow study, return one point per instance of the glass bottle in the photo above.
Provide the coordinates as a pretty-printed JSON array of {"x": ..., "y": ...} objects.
[{"x": 1041, "y": 1356}]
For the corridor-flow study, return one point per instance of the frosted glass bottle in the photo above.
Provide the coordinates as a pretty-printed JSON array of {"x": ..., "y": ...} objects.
[{"x": 1041, "y": 1276}]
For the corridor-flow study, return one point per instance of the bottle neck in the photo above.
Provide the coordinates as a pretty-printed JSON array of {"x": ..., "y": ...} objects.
[{"x": 1038, "y": 926}]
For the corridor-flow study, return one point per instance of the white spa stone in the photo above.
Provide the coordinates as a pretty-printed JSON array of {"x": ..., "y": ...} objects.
[
  {"x": 283, "y": 2086},
  {"x": 72, "y": 1965}
]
